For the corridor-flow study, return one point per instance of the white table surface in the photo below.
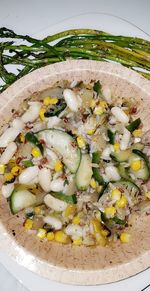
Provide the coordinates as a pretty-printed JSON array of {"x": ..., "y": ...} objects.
[{"x": 35, "y": 17}]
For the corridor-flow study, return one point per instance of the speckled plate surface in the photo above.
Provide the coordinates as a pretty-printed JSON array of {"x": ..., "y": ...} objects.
[{"x": 66, "y": 263}]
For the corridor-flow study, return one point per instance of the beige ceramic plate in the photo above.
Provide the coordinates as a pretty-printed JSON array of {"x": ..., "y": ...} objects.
[{"x": 66, "y": 263}]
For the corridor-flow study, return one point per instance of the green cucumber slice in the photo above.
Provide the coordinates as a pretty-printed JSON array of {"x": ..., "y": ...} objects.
[
  {"x": 133, "y": 125},
  {"x": 111, "y": 136},
  {"x": 71, "y": 199},
  {"x": 21, "y": 199},
  {"x": 121, "y": 156},
  {"x": 84, "y": 173},
  {"x": 144, "y": 172},
  {"x": 63, "y": 144}
]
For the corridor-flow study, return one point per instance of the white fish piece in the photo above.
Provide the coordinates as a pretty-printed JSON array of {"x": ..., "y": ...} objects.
[
  {"x": 7, "y": 190},
  {"x": 124, "y": 143},
  {"x": 8, "y": 136},
  {"x": 32, "y": 112},
  {"x": 74, "y": 230},
  {"x": 119, "y": 114},
  {"x": 17, "y": 123},
  {"x": 112, "y": 173},
  {"x": 53, "y": 121},
  {"x": 8, "y": 153},
  {"x": 72, "y": 100},
  {"x": 107, "y": 94},
  {"x": 57, "y": 185},
  {"x": 45, "y": 179},
  {"x": 28, "y": 175},
  {"x": 54, "y": 203},
  {"x": 53, "y": 221}
]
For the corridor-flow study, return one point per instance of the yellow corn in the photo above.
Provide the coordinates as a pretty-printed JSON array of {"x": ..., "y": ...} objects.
[
  {"x": 22, "y": 137},
  {"x": 110, "y": 211},
  {"x": 28, "y": 224},
  {"x": 98, "y": 110},
  {"x": 8, "y": 177},
  {"x": 90, "y": 131},
  {"x": 50, "y": 236},
  {"x": 147, "y": 195},
  {"x": 103, "y": 104},
  {"x": 125, "y": 237},
  {"x": 93, "y": 183},
  {"x": 41, "y": 233},
  {"x": 116, "y": 146},
  {"x": 37, "y": 210},
  {"x": 36, "y": 153},
  {"x": 93, "y": 103},
  {"x": 41, "y": 114},
  {"x": 58, "y": 166},
  {"x": 47, "y": 100},
  {"x": 61, "y": 237},
  {"x": 100, "y": 239},
  {"x": 77, "y": 242},
  {"x": 96, "y": 225},
  {"x": 2, "y": 169},
  {"x": 70, "y": 210},
  {"x": 116, "y": 194},
  {"x": 80, "y": 142},
  {"x": 76, "y": 219},
  {"x": 16, "y": 170},
  {"x": 137, "y": 132},
  {"x": 122, "y": 202},
  {"x": 104, "y": 232},
  {"x": 136, "y": 165}
]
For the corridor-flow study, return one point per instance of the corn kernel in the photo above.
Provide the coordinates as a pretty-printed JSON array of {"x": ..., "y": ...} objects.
[
  {"x": 16, "y": 170},
  {"x": 116, "y": 146},
  {"x": 80, "y": 142},
  {"x": 8, "y": 177},
  {"x": 122, "y": 202},
  {"x": 96, "y": 225},
  {"x": 41, "y": 233},
  {"x": 103, "y": 104},
  {"x": 61, "y": 237},
  {"x": 92, "y": 103},
  {"x": 58, "y": 166},
  {"x": 41, "y": 113},
  {"x": 116, "y": 194},
  {"x": 110, "y": 211},
  {"x": 28, "y": 224},
  {"x": 50, "y": 236},
  {"x": 77, "y": 242},
  {"x": 2, "y": 169},
  {"x": 104, "y": 232},
  {"x": 54, "y": 101},
  {"x": 137, "y": 132},
  {"x": 37, "y": 210},
  {"x": 76, "y": 219},
  {"x": 93, "y": 183},
  {"x": 22, "y": 137},
  {"x": 125, "y": 237},
  {"x": 47, "y": 100},
  {"x": 70, "y": 210},
  {"x": 136, "y": 165},
  {"x": 100, "y": 239},
  {"x": 90, "y": 131},
  {"x": 147, "y": 195},
  {"x": 36, "y": 153},
  {"x": 98, "y": 110}
]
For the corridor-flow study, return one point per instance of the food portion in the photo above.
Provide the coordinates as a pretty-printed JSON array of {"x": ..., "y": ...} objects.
[
  {"x": 76, "y": 162},
  {"x": 30, "y": 53}
]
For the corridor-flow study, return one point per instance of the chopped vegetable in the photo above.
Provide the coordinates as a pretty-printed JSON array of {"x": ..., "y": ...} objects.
[
  {"x": 111, "y": 136},
  {"x": 134, "y": 125},
  {"x": 97, "y": 87},
  {"x": 27, "y": 163},
  {"x": 71, "y": 199},
  {"x": 30, "y": 137}
]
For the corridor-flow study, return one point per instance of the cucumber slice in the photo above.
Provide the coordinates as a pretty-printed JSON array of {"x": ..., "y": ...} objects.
[
  {"x": 30, "y": 137},
  {"x": 123, "y": 172},
  {"x": 138, "y": 146},
  {"x": 96, "y": 157},
  {"x": 21, "y": 199},
  {"x": 65, "y": 145},
  {"x": 144, "y": 172},
  {"x": 111, "y": 136},
  {"x": 133, "y": 125},
  {"x": 84, "y": 173},
  {"x": 71, "y": 199},
  {"x": 121, "y": 156}
]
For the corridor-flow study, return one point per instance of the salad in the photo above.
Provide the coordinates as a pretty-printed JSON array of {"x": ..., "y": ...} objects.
[{"x": 76, "y": 161}]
